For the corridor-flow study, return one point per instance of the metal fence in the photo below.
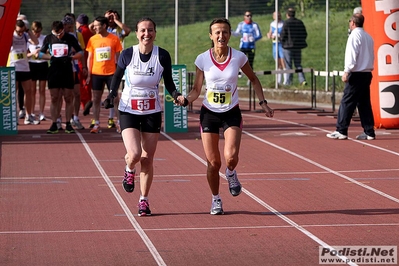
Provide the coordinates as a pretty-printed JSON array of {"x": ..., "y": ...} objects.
[{"x": 326, "y": 23}]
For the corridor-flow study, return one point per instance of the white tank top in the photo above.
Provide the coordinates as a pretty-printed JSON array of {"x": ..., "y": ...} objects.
[
  {"x": 141, "y": 92},
  {"x": 33, "y": 47}
]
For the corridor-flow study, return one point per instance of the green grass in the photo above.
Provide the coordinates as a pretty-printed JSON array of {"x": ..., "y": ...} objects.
[{"x": 194, "y": 39}]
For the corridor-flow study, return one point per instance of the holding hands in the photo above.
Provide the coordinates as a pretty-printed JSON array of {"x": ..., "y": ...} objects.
[{"x": 179, "y": 99}]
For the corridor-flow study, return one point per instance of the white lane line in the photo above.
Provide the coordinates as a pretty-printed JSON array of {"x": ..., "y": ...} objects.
[
  {"x": 264, "y": 204},
  {"x": 365, "y": 143},
  {"x": 122, "y": 203},
  {"x": 202, "y": 174},
  {"x": 233, "y": 228},
  {"x": 323, "y": 167}
]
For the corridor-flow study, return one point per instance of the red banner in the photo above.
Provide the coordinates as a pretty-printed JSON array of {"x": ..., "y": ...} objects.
[
  {"x": 8, "y": 15},
  {"x": 382, "y": 23}
]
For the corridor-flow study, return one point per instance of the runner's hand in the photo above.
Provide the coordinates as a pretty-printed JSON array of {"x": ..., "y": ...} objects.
[{"x": 109, "y": 102}]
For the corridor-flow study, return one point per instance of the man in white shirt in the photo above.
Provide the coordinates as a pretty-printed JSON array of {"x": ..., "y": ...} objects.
[{"x": 359, "y": 62}]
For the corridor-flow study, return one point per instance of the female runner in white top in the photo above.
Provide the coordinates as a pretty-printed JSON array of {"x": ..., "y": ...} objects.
[
  {"x": 220, "y": 108},
  {"x": 140, "y": 107}
]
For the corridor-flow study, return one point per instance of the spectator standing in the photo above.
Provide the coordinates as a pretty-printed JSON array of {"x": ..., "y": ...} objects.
[
  {"x": 38, "y": 69},
  {"x": 274, "y": 33},
  {"x": 116, "y": 26},
  {"x": 61, "y": 49},
  {"x": 103, "y": 51},
  {"x": 18, "y": 58},
  {"x": 356, "y": 10},
  {"x": 359, "y": 63},
  {"x": 250, "y": 33},
  {"x": 85, "y": 88},
  {"x": 121, "y": 30},
  {"x": 69, "y": 27},
  {"x": 293, "y": 40},
  {"x": 20, "y": 90}
]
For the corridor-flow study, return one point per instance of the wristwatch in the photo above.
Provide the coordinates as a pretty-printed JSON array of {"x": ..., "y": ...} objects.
[{"x": 261, "y": 102}]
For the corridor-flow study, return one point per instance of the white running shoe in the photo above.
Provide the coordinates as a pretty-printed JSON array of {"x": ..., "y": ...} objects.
[
  {"x": 30, "y": 120},
  {"x": 59, "y": 124},
  {"x": 217, "y": 207},
  {"x": 21, "y": 114},
  {"x": 76, "y": 123},
  {"x": 336, "y": 135}
]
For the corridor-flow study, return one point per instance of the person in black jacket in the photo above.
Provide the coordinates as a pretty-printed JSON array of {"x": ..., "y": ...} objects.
[{"x": 293, "y": 40}]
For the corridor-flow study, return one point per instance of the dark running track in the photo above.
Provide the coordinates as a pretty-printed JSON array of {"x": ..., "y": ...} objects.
[{"x": 62, "y": 203}]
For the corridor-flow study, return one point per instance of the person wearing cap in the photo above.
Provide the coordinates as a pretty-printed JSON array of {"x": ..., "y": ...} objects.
[{"x": 82, "y": 26}]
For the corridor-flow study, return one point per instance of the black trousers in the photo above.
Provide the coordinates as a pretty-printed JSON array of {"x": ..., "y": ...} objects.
[
  {"x": 356, "y": 94},
  {"x": 250, "y": 53}
]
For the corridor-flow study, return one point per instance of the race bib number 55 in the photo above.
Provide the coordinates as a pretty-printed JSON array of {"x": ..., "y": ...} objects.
[
  {"x": 219, "y": 97},
  {"x": 143, "y": 104}
]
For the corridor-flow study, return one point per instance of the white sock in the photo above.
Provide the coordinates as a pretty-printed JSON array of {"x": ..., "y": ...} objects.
[
  {"x": 215, "y": 197},
  {"x": 75, "y": 117},
  {"x": 143, "y": 198},
  {"x": 279, "y": 78},
  {"x": 129, "y": 170}
]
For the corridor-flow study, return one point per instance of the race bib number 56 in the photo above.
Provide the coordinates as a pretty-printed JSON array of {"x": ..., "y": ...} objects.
[{"x": 103, "y": 54}]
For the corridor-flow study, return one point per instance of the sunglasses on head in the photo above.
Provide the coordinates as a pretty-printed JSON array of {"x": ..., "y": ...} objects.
[{"x": 57, "y": 34}]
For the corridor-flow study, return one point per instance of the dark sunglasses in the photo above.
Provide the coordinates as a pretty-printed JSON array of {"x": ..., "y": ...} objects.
[{"x": 248, "y": 15}]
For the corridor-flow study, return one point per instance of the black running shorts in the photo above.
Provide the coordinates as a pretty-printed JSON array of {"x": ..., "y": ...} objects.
[
  {"x": 211, "y": 122},
  {"x": 150, "y": 123}
]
